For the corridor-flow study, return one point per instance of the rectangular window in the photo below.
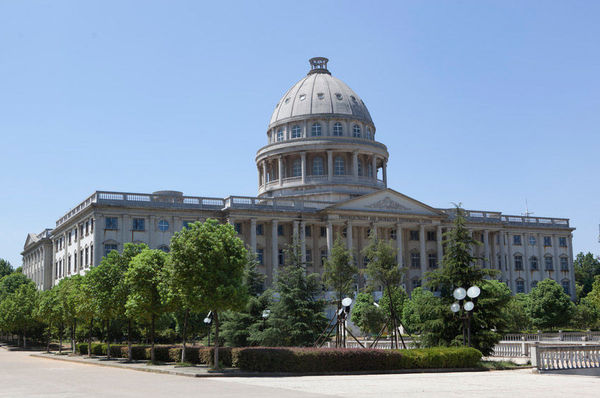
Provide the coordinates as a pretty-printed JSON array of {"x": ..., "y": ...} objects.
[
  {"x": 280, "y": 230},
  {"x": 185, "y": 224},
  {"x": 111, "y": 223},
  {"x": 87, "y": 256},
  {"x": 323, "y": 232},
  {"x": 259, "y": 229},
  {"x": 91, "y": 255},
  {"x": 281, "y": 258},
  {"x": 80, "y": 231},
  {"x": 432, "y": 259},
  {"x": 518, "y": 263},
  {"x": 81, "y": 263},
  {"x": 91, "y": 225},
  {"x": 517, "y": 240},
  {"x": 415, "y": 260},
  {"x": 533, "y": 263},
  {"x": 75, "y": 261},
  {"x": 70, "y": 238},
  {"x": 307, "y": 231},
  {"x": 414, "y": 235},
  {"x": 108, "y": 247},
  {"x": 308, "y": 257},
  {"x": 69, "y": 263},
  {"x": 87, "y": 228},
  {"x": 520, "y": 286},
  {"x": 260, "y": 256},
  {"x": 431, "y": 235},
  {"x": 238, "y": 228},
  {"x": 566, "y": 287},
  {"x": 323, "y": 257},
  {"x": 75, "y": 233},
  {"x": 562, "y": 241},
  {"x": 547, "y": 241},
  {"x": 549, "y": 263},
  {"x": 138, "y": 224},
  {"x": 416, "y": 283},
  {"x": 393, "y": 234},
  {"x": 564, "y": 264}
]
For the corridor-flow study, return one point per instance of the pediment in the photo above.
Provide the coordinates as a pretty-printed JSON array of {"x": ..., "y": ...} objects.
[
  {"x": 31, "y": 238},
  {"x": 387, "y": 201}
]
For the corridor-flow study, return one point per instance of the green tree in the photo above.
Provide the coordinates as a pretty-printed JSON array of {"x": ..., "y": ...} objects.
[
  {"x": 11, "y": 282},
  {"x": 146, "y": 278},
  {"x": 515, "y": 313},
  {"x": 5, "y": 268},
  {"x": 49, "y": 312},
  {"x": 70, "y": 297},
  {"x": 297, "y": 317},
  {"x": 208, "y": 270},
  {"x": 340, "y": 271},
  {"x": 366, "y": 315},
  {"x": 416, "y": 310},
  {"x": 17, "y": 310},
  {"x": 384, "y": 271},
  {"x": 548, "y": 305},
  {"x": 398, "y": 296},
  {"x": 587, "y": 267}
]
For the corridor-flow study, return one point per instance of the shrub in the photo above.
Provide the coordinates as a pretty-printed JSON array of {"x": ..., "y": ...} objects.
[
  {"x": 81, "y": 348},
  {"x": 206, "y": 355},
  {"x": 307, "y": 360},
  {"x": 137, "y": 352},
  {"x": 192, "y": 354},
  {"x": 161, "y": 353}
]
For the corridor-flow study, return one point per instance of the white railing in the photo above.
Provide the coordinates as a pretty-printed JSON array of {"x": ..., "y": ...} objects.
[
  {"x": 551, "y": 337},
  {"x": 546, "y": 357}
]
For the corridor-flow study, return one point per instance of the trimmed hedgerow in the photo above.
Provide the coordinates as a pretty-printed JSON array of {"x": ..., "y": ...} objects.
[
  {"x": 206, "y": 355},
  {"x": 161, "y": 353},
  {"x": 138, "y": 353},
  {"x": 309, "y": 360},
  {"x": 192, "y": 354},
  {"x": 99, "y": 349}
]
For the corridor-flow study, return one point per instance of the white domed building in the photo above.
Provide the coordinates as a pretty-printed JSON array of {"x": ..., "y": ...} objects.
[{"x": 321, "y": 176}]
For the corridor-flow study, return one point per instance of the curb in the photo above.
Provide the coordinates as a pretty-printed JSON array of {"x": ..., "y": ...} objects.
[{"x": 236, "y": 373}]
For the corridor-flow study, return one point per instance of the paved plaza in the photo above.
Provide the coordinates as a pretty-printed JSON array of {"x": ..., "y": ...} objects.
[{"x": 24, "y": 376}]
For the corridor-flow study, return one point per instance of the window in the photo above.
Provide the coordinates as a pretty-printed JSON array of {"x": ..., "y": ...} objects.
[
  {"x": 281, "y": 258},
  {"x": 320, "y": 96},
  {"x": 260, "y": 253},
  {"x": 337, "y": 129},
  {"x": 164, "y": 248},
  {"x": 91, "y": 225},
  {"x": 87, "y": 228},
  {"x": 296, "y": 132},
  {"x": 81, "y": 230},
  {"x": 566, "y": 286},
  {"x": 302, "y": 97},
  {"x": 307, "y": 231},
  {"x": 108, "y": 247},
  {"x": 323, "y": 232},
  {"x": 70, "y": 236},
  {"x": 518, "y": 263},
  {"x": 87, "y": 256},
  {"x": 75, "y": 261},
  {"x": 431, "y": 235},
  {"x": 532, "y": 240},
  {"x": 345, "y": 232},
  {"x": 296, "y": 168},
  {"x": 339, "y": 166},
  {"x": 517, "y": 240},
  {"x": 360, "y": 167},
  {"x": 81, "y": 263},
  {"x": 323, "y": 257},
  {"x": 415, "y": 260},
  {"x": 317, "y": 166},
  {"x": 520, "y": 286},
  {"x": 368, "y": 133},
  {"x": 533, "y": 263},
  {"x": 280, "y": 230},
  {"x": 549, "y": 264},
  {"x": 280, "y": 135},
  {"x": 564, "y": 264},
  {"x": 547, "y": 241},
  {"x": 534, "y": 284},
  {"x": 238, "y": 227},
  {"x": 393, "y": 234},
  {"x": 562, "y": 241},
  {"x": 432, "y": 260},
  {"x": 416, "y": 283},
  {"x": 111, "y": 223},
  {"x": 414, "y": 235},
  {"x": 163, "y": 225},
  {"x": 338, "y": 96},
  {"x": 259, "y": 229},
  {"x": 185, "y": 224},
  {"x": 315, "y": 130},
  {"x": 138, "y": 224},
  {"x": 356, "y": 131},
  {"x": 75, "y": 233},
  {"x": 308, "y": 257},
  {"x": 69, "y": 263}
]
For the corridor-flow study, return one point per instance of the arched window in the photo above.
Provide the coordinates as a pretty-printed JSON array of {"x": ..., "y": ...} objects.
[
  {"x": 564, "y": 264},
  {"x": 566, "y": 286},
  {"x": 369, "y": 136},
  {"x": 317, "y": 166},
  {"x": 337, "y": 129},
  {"x": 518, "y": 262},
  {"x": 549, "y": 264},
  {"x": 316, "y": 130},
  {"x": 533, "y": 263},
  {"x": 296, "y": 168},
  {"x": 356, "y": 131},
  {"x": 164, "y": 248},
  {"x": 280, "y": 135},
  {"x": 339, "y": 166},
  {"x": 360, "y": 167},
  {"x": 520, "y": 284},
  {"x": 296, "y": 132}
]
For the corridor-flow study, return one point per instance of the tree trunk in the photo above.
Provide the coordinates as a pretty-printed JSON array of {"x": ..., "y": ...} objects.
[
  {"x": 24, "y": 339},
  {"x": 107, "y": 339},
  {"x": 152, "y": 340},
  {"x": 185, "y": 321},
  {"x": 90, "y": 338},
  {"x": 73, "y": 338},
  {"x": 216, "y": 344},
  {"x": 48, "y": 340},
  {"x": 129, "y": 353},
  {"x": 60, "y": 337}
]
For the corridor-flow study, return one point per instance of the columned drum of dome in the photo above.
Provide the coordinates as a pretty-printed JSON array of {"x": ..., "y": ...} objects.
[{"x": 321, "y": 142}]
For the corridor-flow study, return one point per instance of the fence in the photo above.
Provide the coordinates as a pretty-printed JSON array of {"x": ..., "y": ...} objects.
[
  {"x": 555, "y": 357},
  {"x": 559, "y": 336}
]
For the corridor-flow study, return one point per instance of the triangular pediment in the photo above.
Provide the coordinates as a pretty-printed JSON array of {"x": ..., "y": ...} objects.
[
  {"x": 388, "y": 201},
  {"x": 31, "y": 238}
]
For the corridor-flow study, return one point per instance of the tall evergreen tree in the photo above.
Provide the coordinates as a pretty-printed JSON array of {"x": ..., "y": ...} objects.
[{"x": 340, "y": 271}]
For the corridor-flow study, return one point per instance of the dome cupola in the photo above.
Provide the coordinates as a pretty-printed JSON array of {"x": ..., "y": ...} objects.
[{"x": 321, "y": 142}]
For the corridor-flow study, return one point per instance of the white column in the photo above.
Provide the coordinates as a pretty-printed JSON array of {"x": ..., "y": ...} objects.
[
  {"x": 502, "y": 263},
  {"x": 303, "y": 159},
  {"x": 264, "y": 168},
  {"x": 571, "y": 268},
  {"x": 440, "y": 248},
  {"x": 355, "y": 164},
  {"x": 349, "y": 236},
  {"x": 399, "y": 244},
  {"x": 253, "y": 235},
  {"x": 274, "y": 247},
  {"x": 384, "y": 168},
  {"x": 329, "y": 165},
  {"x": 280, "y": 170},
  {"x": 303, "y": 241},
  {"x": 423, "y": 253},
  {"x": 374, "y": 165},
  {"x": 486, "y": 245},
  {"x": 329, "y": 238}
]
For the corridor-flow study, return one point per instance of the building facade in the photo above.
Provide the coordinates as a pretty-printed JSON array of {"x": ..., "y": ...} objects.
[{"x": 321, "y": 176}]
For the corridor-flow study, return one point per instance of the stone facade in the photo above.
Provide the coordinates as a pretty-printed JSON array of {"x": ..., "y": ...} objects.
[{"x": 343, "y": 194}]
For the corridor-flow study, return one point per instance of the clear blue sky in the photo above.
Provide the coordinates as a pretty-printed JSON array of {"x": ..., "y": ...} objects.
[{"x": 488, "y": 103}]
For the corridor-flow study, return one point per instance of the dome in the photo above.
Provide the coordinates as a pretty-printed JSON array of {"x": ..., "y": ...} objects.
[{"x": 320, "y": 94}]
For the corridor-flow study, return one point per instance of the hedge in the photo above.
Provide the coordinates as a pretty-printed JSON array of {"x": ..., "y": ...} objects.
[
  {"x": 308, "y": 360},
  {"x": 100, "y": 349},
  {"x": 206, "y": 355},
  {"x": 191, "y": 354}
]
